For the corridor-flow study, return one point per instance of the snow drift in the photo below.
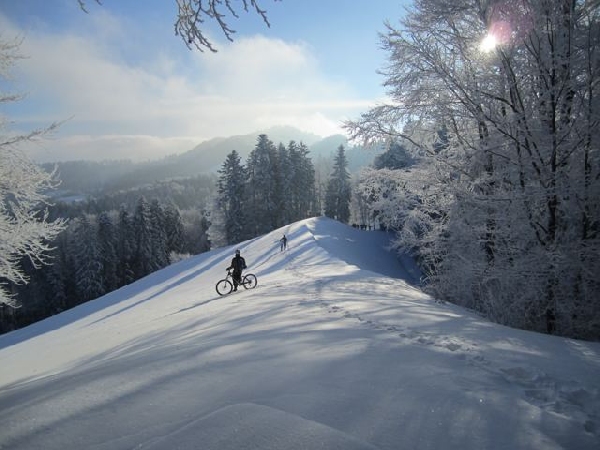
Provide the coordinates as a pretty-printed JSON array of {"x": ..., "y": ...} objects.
[{"x": 336, "y": 348}]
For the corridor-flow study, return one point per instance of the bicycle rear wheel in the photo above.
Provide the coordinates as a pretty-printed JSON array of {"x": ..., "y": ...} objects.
[
  {"x": 224, "y": 287},
  {"x": 249, "y": 281}
]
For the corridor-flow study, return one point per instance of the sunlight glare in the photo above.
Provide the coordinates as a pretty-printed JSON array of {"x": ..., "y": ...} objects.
[{"x": 488, "y": 43}]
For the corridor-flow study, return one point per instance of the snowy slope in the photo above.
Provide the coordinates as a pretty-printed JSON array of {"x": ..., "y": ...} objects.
[{"x": 335, "y": 349}]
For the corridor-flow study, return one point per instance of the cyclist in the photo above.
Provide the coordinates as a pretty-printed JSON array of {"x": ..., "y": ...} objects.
[{"x": 237, "y": 264}]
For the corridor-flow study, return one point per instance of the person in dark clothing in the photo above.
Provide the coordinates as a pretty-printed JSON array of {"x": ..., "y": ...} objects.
[
  {"x": 550, "y": 321},
  {"x": 283, "y": 241},
  {"x": 237, "y": 264}
]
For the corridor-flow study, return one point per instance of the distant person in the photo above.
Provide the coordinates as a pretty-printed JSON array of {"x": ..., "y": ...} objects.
[
  {"x": 283, "y": 242},
  {"x": 550, "y": 321},
  {"x": 237, "y": 264}
]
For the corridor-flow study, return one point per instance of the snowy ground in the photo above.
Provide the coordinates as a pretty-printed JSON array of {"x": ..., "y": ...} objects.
[{"x": 333, "y": 350}]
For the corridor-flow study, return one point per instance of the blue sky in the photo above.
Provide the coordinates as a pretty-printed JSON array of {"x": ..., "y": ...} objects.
[{"x": 129, "y": 88}]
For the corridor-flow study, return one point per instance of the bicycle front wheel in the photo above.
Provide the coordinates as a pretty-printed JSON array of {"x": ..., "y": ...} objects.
[
  {"x": 249, "y": 281},
  {"x": 224, "y": 287}
]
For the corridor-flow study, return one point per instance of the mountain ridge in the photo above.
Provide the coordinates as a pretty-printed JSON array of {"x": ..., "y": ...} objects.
[{"x": 207, "y": 157}]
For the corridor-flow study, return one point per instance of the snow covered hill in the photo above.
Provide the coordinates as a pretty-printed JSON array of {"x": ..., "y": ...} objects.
[{"x": 335, "y": 349}]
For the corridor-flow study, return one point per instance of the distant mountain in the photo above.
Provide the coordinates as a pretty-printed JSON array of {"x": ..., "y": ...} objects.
[
  {"x": 206, "y": 157},
  {"x": 210, "y": 155},
  {"x": 357, "y": 156},
  {"x": 328, "y": 146}
]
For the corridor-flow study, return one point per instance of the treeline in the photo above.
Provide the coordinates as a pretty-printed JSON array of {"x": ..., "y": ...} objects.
[
  {"x": 97, "y": 254},
  {"x": 275, "y": 187},
  {"x": 192, "y": 193},
  {"x": 115, "y": 239},
  {"x": 104, "y": 249}
]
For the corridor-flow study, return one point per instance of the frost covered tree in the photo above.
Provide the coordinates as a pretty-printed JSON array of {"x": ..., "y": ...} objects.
[
  {"x": 228, "y": 218},
  {"x": 339, "y": 189},
  {"x": 498, "y": 101},
  {"x": 25, "y": 231}
]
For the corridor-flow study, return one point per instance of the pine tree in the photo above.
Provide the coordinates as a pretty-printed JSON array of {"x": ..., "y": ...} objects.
[
  {"x": 125, "y": 248},
  {"x": 107, "y": 241},
  {"x": 174, "y": 229},
  {"x": 62, "y": 279},
  {"x": 306, "y": 184},
  {"x": 395, "y": 157},
  {"x": 296, "y": 183},
  {"x": 261, "y": 186},
  {"x": 196, "y": 227},
  {"x": 338, "y": 195},
  {"x": 278, "y": 194},
  {"x": 160, "y": 253},
  {"x": 284, "y": 185},
  {"x": 57, "y": 280},
  {"x": 229, "y": 212},
  {"x": 302, "y": 195},
  {"x": 88, "y": 269},
  {"x": 143, "y": 252}
]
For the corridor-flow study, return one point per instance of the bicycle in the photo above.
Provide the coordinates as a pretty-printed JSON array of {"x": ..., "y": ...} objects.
[{"x": 225, "y": 286}]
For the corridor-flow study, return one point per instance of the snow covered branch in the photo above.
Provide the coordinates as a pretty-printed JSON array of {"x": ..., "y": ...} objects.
[
  {"x": 25, "y": 231},
  {"x": 506, "y": 133}
]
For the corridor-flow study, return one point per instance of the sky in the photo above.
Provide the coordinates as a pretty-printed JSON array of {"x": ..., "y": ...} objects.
[
  {"x": 336, "y": 348},
  {"x": 124, "y": 86}
]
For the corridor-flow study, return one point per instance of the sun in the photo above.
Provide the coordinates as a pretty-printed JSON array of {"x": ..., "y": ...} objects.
[
  {"x": 488, "y": 43},
  {"x": 500, "y": 33}
]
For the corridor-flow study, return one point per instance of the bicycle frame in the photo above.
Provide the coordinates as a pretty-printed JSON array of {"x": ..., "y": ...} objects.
[{"x": 226, "y": 285}]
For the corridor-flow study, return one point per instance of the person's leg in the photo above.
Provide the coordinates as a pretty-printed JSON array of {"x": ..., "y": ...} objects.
[{"x": 237, "y": 278}]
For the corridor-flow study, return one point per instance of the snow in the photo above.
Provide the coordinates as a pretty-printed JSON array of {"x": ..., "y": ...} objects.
[{"x": 337, "y": 348}]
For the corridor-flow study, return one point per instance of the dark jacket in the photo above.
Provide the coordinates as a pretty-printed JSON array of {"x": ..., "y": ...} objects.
[{"x": 237, "y": 264}]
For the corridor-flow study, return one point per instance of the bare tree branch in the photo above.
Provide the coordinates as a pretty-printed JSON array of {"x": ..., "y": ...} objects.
[
  {"x": 82, "y": 5},
  {"x": 192, "y": 15}
]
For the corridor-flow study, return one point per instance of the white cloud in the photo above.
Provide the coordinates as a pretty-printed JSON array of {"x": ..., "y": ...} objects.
[
  {"x": 157, "y": 99},
  {"x": 262, "y": 69}
]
